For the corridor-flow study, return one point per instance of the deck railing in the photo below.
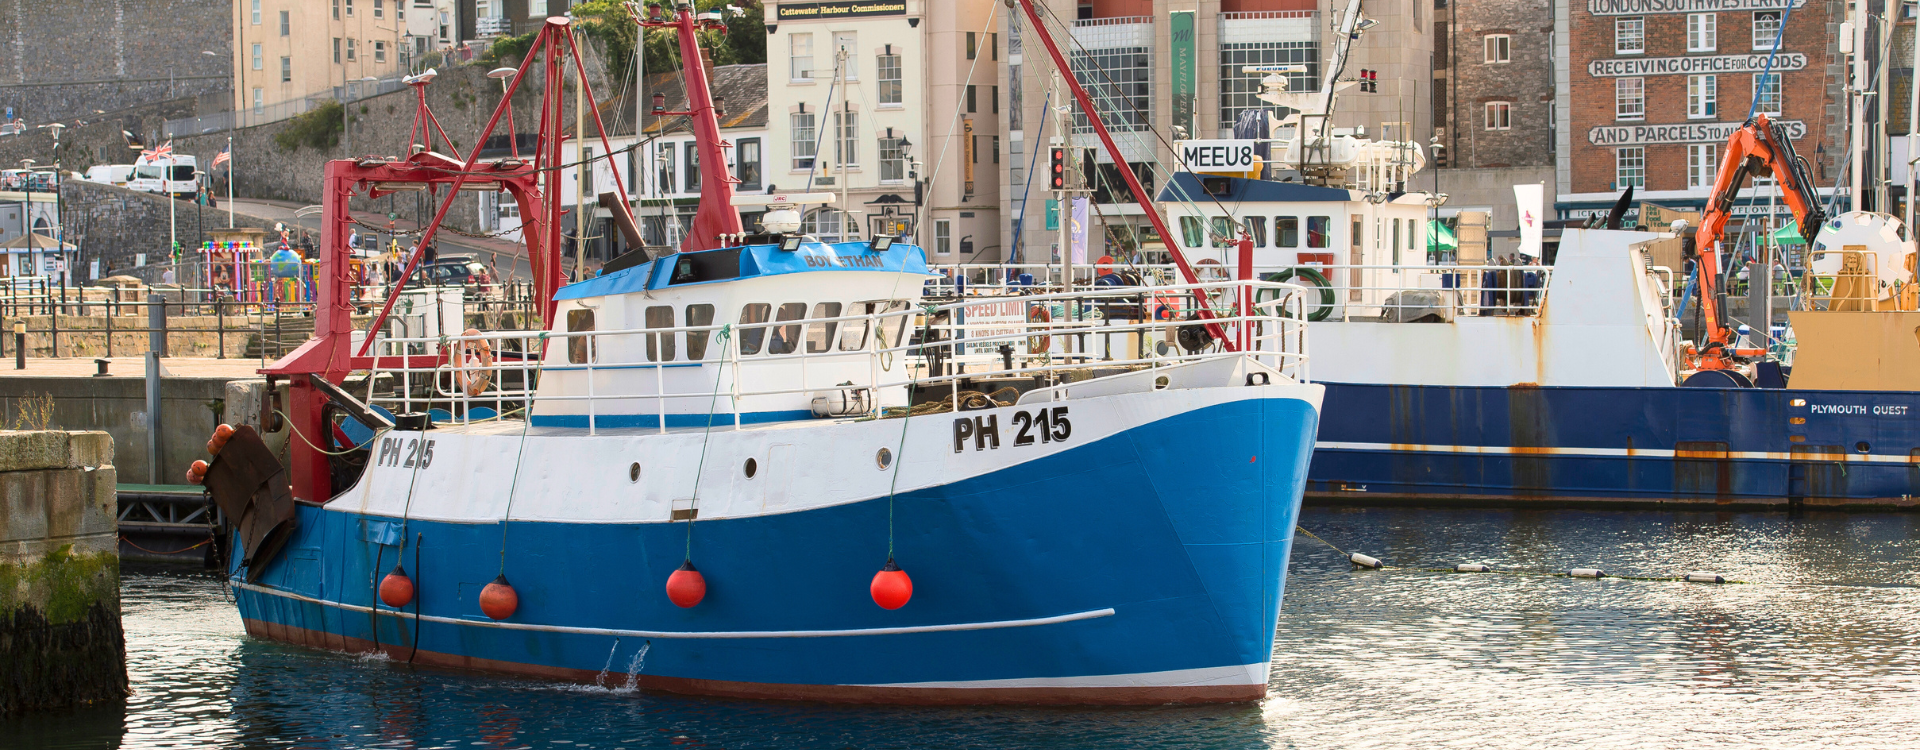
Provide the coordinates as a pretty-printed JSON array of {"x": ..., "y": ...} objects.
[{"x": 1052, "y": 339}]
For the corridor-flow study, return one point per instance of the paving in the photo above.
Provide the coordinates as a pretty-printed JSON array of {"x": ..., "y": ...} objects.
[{"x": 132, "y": 367}]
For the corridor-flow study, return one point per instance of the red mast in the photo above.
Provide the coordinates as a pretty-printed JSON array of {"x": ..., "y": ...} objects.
[{"x": 716, "y": 215}]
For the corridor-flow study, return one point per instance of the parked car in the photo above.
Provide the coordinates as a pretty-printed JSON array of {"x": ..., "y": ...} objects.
[
  {"x": 458, "y": 270},
  {"x": 117, "y": 175}
]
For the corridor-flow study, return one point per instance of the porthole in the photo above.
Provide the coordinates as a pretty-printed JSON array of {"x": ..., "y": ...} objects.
[
  {"x": 883, "y": 458},
  {"x": 1863, "y": 446},
  {"x": 633, "y": 472},
  {"x": 752, "y": 467},
  {"x": 1160, "y": 383}
]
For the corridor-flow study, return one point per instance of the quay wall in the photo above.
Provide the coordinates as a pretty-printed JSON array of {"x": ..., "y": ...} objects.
[
  {"x": 116, "y": 406},
  {"x": 60, "y": 636}
]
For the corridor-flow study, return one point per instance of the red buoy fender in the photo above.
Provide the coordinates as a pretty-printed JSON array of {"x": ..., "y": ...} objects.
[
  {"x": 686, "y": 587},
  {"x": 197, "y": 472},
  {"x": 396, "y": 589},
  {"x": 891, "y": 588},
  {"x": 498, "y": 600}
]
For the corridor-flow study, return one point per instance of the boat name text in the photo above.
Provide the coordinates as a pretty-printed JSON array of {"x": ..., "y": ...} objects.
[
  {"x": 1879, "y": 411},
  {"x": 1048, "y": 425},
  {"x": 844, "y": 261},
  {"x": 404, "y": 453}
]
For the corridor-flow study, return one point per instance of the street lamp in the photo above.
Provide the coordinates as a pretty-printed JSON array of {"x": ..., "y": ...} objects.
[{"x": 59, "y": 204}]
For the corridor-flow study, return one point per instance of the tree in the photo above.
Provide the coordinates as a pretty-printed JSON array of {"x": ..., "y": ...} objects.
[{"x": 744, "y": 41}]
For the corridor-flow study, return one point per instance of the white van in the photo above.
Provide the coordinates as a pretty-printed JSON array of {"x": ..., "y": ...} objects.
[
  {"x": 169, "y": 175},
  {"x": 117, "y": 175}
]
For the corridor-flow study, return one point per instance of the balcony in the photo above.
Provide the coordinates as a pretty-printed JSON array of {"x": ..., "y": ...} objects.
[{"x": 493, "y": 26}]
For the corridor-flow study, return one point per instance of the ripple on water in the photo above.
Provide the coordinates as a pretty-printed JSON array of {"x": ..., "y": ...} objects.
[{"x": 1363, "y": 659}]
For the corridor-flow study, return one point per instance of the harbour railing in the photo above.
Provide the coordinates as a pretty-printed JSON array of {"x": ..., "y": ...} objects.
[{"x": 882, "y": 358}]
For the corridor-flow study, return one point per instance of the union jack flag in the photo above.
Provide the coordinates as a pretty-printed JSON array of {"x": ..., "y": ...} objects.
[
  {"x": 165, "y": 150},
  {"x": 223, "y": 157}
]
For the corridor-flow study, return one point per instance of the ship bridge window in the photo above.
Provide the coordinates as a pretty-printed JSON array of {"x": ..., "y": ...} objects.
[
  {"x": 820, "y": 334},
  {"x": 853, "y": 333},
  {"x": 786, "y": 338},
  {"x": 660, "y": 345},
  {"x": 1257, "y": 227},
  {"x": 1190, "y": 232},
  {"x": 1319, "y": 231},
  {"x": 1223, "y": 235},
  {"x": 753, "y": 331},
  {"x": 1286, "y": 231},
  {"x": 713, "y": 265},
  {"x": 698, "y": 315},
  {"x": 577, "y": 348},
  {"x": 893, "y": 323}
]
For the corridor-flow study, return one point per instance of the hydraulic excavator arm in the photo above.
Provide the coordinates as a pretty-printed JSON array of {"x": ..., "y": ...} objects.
[{"x": 1759, "y": 147}]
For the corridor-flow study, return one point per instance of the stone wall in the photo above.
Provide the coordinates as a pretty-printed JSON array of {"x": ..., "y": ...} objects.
[
  {"x": 1524, "y": 82},
  {"x": 72, "y": 58},
  {"x": 116, "y": 224},
  {"x": 60, "y": 635},
  {"x": 189, "y": 409}
]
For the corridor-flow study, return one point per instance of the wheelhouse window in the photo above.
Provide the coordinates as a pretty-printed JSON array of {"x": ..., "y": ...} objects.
[
  {"x": 1190, "y": 232},
  {"x": 753, "y": 329},
  {"x": 1319, "y": 232},
  {"x": 1256, "y": 228},
  {"x": 1223, "y": 235},
  {"x": 660, "y": 345},
  {"x": 698, "y": 315},
  {"x": 820, "y": 333},
  {"x": 1286, "y": 231},
  {"x": 853, "y": 333},
  {"x": 578, "y": 350},
  {"x": 786, "y": 338},
  {"x": 893, "y": 323}
]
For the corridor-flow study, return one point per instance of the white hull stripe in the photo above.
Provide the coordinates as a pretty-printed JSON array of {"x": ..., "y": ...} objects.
[
  {"x": 1505, "y": 450},
  {"x": 994, "y": 625},
  {"x": 1245, "y": 674}
]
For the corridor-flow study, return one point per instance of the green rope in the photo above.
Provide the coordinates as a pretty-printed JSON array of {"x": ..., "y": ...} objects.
[
  {"x": 900, "y": 448},
  {"x": 725, "y": 335},
  {"x": 519, "y": 454}
]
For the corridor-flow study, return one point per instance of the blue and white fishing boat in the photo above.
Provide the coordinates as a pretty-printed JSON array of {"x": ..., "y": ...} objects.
[{"x": 766, "y": 467}]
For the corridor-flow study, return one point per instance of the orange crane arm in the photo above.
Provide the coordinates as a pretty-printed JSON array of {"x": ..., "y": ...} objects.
[{"x": 1758, "y": 145}]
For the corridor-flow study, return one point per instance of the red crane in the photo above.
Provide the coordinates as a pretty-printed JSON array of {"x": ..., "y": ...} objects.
[{"x": 1759, "y": 147}]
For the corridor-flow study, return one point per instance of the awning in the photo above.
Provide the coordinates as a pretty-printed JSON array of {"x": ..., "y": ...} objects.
[{"x": 1439, "y": 237}]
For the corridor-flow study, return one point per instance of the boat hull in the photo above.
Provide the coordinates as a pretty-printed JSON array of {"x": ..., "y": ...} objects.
[
  {"x": 1689, "y": 446},
  {"x": 1144, "y": 564}
]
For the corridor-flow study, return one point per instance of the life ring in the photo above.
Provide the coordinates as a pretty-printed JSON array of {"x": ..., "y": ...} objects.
[
  {"x": 1315, "y": 278},
  {"x": 472, "y": 363},
  {"x": 1042, "y": 342}
]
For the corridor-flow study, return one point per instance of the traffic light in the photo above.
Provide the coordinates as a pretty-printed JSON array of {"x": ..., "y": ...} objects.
[{"x": 1057, "y": 178}]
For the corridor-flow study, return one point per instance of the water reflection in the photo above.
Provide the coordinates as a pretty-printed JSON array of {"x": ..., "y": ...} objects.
[{"x": 1364, "y": 658}]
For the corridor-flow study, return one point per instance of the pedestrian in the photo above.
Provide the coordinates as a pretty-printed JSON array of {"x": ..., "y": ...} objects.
[
  {"x": 167, "y": 276},
  {"x": 353, "y": 240},
  {"x": 433, "y": 251}
]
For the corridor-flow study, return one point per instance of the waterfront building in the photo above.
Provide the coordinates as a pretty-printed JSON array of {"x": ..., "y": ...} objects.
[
  {"x": 1653, "y": 88},
  {"x": 1172, "y": 69},
  {"x": 286, "y": 51},
  {"x": 1493, "y": 103}
]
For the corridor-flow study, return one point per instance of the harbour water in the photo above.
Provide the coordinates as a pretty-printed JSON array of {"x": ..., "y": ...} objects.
[{"x": 1820, "y": 647}]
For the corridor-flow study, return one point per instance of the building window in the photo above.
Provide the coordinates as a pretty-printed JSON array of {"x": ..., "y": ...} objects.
[
  {"x": 1702, "y": 32},
  {"x": 993, "y": 43},
  {"x": 1239, "y": 89},
  {"x": 848, "y": 42},
  {"x": 846, "y": 147},
  {"x": 1629, "y": 36},
  {"x": 1768, "y": 87},
  {"x": 975, "y": 151},
  {"x": 351, "y": 49},
  {"x": 1766, "y": 28},
  {"x": 1701, "y": 165},
  {"x": 973, "y": 45},
  {"x": 1499, "y": 48},
  {"x": 1118, "y": 80},
  {"x": 1702, "y": 97},
  {"x": 943, "y": 236},
  {"x": 996, "y": 149},
  {"x": 379, "y": 51},
  {"x": 336, "y": 50},
  {"x": 286, "y": 70},
  {"x": 996, "y": 99},
  {"x": 800, "y": 57},
  {"x": 693, "y": 168},
  {"x": 286, "y": 23},
  {"x": 666, "y": 157},
  {"x": 336, "y": 10},
  {"x": 973, "y": 101},
  {"x": 893, "y": 160},
  {"x": 747, "y": 164},
  {"x": 1630, "y": 167},
  {"x": 891, "y": 89},
  {"x": 1016, "y": 162},
  {"x": 349, "y": 8},
  {"x": 258, "y": 64},
  {"x": 806, "y": 143},
  {"x": 823, "y": 223},
  {"x": 259, "y": 99},
  {"x": 1629, "y": 98},
  {"x": 1499, "y": 115},
  {"x": 256, "y": 12}
]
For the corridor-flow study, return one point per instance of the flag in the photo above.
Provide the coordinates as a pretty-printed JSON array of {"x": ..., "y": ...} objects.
[
  {"x": 223, "y": 157},
  {"x": 165, "y": 150}
]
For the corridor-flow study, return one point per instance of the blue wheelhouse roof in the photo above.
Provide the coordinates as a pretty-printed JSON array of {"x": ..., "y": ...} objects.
[
  {"x": 749, "y": 261},
  {"x": 1186, "y": 187}
]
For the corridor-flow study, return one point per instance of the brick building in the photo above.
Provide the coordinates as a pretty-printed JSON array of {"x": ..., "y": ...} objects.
[
  {"x": 1493, "y": 83},
  {"x": 1653, "y": 88}
]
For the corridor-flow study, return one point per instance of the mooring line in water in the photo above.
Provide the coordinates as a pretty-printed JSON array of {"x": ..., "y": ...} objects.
[{"x": 1374, "y": 563}]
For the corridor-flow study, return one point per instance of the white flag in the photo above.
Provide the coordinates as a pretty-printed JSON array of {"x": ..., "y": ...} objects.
[{"x": 1530, "y": 199}]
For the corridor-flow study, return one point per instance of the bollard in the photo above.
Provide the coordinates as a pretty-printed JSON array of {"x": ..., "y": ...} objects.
[
  {"x": 156, "y": 348},
  {"x": 19, "y": 345}
]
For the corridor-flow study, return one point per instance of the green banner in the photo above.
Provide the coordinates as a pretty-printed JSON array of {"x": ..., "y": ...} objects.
[{"x": 1186, "y": 63}]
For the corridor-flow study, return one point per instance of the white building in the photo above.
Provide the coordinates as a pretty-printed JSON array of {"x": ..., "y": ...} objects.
[{"x": 908, "y": 131}]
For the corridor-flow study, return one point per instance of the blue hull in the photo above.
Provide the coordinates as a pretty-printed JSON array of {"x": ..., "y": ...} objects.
[
  {"x": 1753, "y": 447},
  {"x": 1098, "y": 574}
]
